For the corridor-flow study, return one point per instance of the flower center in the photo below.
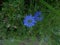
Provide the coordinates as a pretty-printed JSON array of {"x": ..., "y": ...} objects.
[{"x": 29, "y": 21}]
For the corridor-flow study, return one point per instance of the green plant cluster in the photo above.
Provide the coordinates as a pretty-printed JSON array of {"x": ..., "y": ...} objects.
[{"x": 14, "y": 11}]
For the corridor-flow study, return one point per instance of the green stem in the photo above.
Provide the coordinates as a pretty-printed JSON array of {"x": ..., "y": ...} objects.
[{"x": 50, "y": 7}]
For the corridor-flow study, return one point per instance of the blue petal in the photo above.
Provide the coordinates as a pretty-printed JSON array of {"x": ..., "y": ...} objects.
[{"x": 38, "y": 13}]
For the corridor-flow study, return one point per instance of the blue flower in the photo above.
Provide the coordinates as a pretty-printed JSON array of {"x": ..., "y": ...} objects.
[
  {"x": 38, "y": 16},
  {"x": 29, "y": 21}
]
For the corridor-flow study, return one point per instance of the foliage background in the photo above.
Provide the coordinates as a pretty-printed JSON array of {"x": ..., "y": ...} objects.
[{"x": 12, "y": 15}]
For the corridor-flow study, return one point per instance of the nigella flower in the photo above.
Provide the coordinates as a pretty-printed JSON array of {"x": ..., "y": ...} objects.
[
  {"x": 38, "y": 16},
  {"x": 29, "y": 21}
]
